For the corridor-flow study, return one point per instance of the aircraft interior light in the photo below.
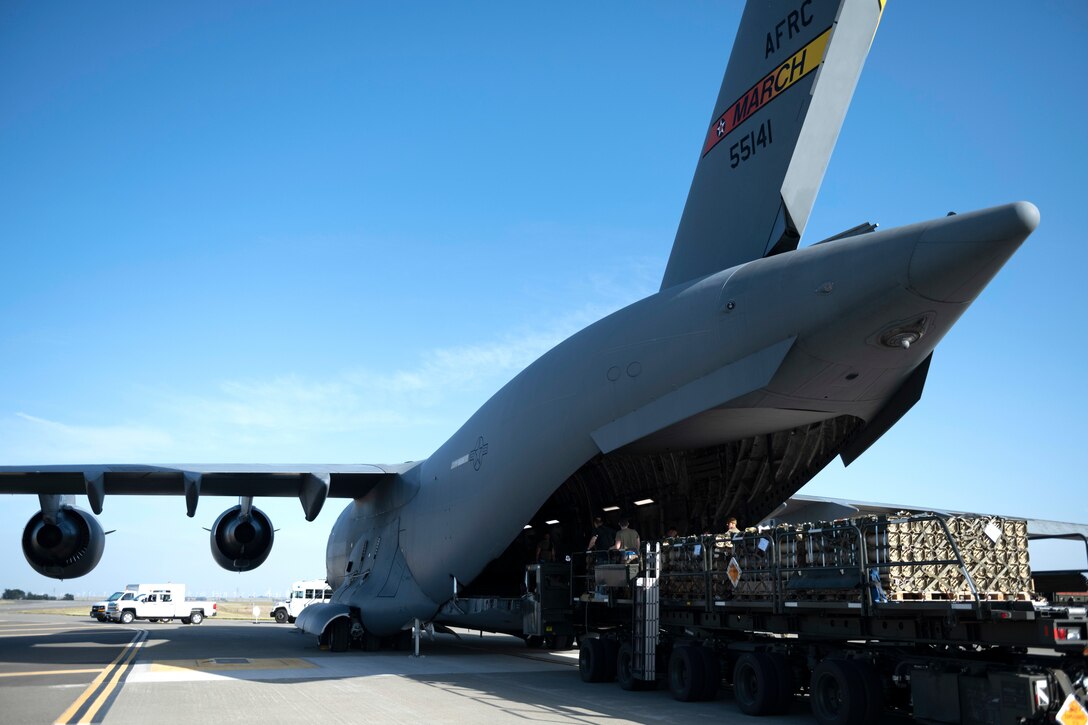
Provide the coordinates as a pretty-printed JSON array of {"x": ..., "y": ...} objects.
[{"x": 643, "y": 501}]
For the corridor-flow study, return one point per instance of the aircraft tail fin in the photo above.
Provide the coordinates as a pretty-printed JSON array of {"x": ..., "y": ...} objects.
[{"x": 789, "y": 81}]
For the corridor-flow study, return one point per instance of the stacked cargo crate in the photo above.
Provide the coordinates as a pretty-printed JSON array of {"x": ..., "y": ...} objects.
[
  {"x": 821, "y": 562},
  {"x": 994, "y": 552},
  {"x": 753, "y": 553},
  {"x": 683, "y": 567}
]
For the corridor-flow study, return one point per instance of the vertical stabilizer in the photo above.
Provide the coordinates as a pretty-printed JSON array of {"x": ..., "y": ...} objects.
[{"x": 791, "y": 75}]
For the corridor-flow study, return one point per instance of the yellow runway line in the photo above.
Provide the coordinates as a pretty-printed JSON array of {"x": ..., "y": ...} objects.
[
  {"x": 127, "y": 653},
  {"x": 88, "y": 717}
]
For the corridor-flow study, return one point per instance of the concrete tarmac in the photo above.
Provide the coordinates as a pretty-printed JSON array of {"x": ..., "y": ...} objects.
[{"x": 60, "y": 669}]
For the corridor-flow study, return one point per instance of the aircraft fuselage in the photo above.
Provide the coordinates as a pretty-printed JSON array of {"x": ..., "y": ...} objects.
[{"x": 830, "y": 329}]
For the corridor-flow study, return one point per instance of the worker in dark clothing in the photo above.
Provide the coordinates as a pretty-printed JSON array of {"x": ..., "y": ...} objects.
[
  {"x": 602, "y": 538},
  {"x": 545, "y": 550}
]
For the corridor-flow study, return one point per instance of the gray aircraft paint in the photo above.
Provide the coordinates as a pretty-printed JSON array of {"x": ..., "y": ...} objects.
[{"x": 736, "y": 345}]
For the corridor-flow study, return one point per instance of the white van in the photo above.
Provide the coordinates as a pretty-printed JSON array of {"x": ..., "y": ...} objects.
[{"x": 302, "y": 594}]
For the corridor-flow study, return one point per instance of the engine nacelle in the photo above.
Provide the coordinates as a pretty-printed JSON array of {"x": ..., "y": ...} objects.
[
  {"x": 67, "y": 547},
  {"x": 241, "y": 542}
]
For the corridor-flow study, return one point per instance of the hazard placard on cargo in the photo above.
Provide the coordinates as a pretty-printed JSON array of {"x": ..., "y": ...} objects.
[
  {"x": 1072, "y": 712},
  {"x": 733, "y": 571}
]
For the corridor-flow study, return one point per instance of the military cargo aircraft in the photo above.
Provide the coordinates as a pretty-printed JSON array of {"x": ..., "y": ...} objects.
[{"x": 755, "y": 365}]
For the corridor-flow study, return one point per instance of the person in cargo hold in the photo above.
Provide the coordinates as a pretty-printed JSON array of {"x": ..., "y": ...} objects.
[
  {"x": 627, "y": 538},
  {"x": 603, "y": 537}
]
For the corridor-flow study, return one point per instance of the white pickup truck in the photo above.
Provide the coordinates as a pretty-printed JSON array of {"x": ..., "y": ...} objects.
[
  {"x": 98, "y": 609},
  {"x": 158, "y": 603}
]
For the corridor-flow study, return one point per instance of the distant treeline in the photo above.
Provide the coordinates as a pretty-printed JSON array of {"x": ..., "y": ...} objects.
[{"x": 20, "y": 594}]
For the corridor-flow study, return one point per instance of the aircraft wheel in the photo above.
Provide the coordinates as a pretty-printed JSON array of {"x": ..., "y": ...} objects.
[
  {"x": 196, "y": 617},
  {"x": 339, "y": 635},
  {"x": 687, "y": 673},
  {"x": 754, "y": 686},
  {"x": 837, "y": 693},
  {"x": 281, "y": 616},
  {"x": 127, "y": 617}
]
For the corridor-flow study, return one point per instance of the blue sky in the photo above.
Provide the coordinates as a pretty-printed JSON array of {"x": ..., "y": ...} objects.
[{"x": 257, "y": 232}]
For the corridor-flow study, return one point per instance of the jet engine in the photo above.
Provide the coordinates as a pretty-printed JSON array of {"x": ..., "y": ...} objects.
[
  {"x": 241, "y": 538},
  {"x": 66, "y": 544}
]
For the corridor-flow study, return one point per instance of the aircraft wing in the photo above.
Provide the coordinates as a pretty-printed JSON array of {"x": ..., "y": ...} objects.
[
  {"x": 800, "y": 509},
  {"x": 312, "y": 484}
]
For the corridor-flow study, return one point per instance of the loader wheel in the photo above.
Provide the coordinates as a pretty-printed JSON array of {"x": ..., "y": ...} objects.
[
  {"x": 787, "y": 682},
  {"x": 713, "y": 665},
  {"x": 593, "y": 660},
  {"x": 687, "y": 674},
  {"x": 873, "y": 688},
  {"x": 561, "y": 642},
  {"x": 838, "y": 693},
  {"x": 754, "y": 684},
  {"x": 612, "y": 652},
  {"x": 281, "y": 616},
  {"x": 625, "y": 672}
]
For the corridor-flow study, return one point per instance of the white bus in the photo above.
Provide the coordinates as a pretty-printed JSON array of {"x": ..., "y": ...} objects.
[{"x": 302, "y": 594}]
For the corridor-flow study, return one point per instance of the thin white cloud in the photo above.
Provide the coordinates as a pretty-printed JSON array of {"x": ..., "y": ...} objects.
[
  {"x": 353, "y": 415},
  {"x": 41, "y": 440}
]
